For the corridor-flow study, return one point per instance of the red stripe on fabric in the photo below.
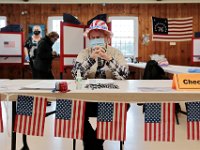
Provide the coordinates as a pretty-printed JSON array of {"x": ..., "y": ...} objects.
[
  {"x": 193, "y": 130},
  {"x": 25, "y": 126},
  {"x": 39, "y": 115},
  {"x": 145, "y": 131},
  {"x": 154, "y": 137},
  {"x": 97, "y": 133},
  {"x": 197, "y": 124},
  {"x": 44, "y": 115},
  {"x": 119, "y": 121},
  {"x": 83, "y": 119},
  {"x": 68, "y": 124},
  {"x": 29, "y": 125},
  {"x": 73, "y": 118},
  {"x": 16, "y": 123},
  {"x": 55, "y": 128},
  {"x": 115, "y": 119},
  {"x": 64, "y": 129},
  {"x": 60, "y": 127},
  {"x": 159, "y": 132},
  {"x": 20, "y": 124},
  {"x": 164, "y": 119},
  {"x": 78, "y": 119},
  {"x": 150, "y": 131},
  {"x": 102, "y": 131},
  {"x": 188, "y": 130},
  {"x": 173, "y": 122},
  {"x": 34, "y": 116},
  {"x": 125, "y": 117},
  {"x": 168, "y": 121},
  {"x": 106, "y": 132},
  {"x": 111, "y": 131}
]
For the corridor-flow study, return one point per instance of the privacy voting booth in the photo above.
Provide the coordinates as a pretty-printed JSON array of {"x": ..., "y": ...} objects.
[
  {"x": 196, "y": 50},
  {"x": 11, "y": 48},
  {"x": 72, "y": 42}
]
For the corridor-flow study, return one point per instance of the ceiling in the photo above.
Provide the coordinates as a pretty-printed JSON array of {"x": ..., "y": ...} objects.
[{"x": 95, "y": 1}]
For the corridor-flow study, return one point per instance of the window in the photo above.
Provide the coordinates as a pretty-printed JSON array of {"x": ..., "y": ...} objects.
[
  {"x": 54, "y": 25},
  {"x": 2, "y": 21},
  {"x": 125, "y": 38}
]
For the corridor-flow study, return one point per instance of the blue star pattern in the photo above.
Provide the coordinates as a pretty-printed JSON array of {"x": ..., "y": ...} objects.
[
  {"x": 152, "y": 112},
  {"x": 193, "y": 111},
  {"x": 63, "y": 109},
  {"x": 105, "y": 112},
  {"x": 25, "y": 105}
]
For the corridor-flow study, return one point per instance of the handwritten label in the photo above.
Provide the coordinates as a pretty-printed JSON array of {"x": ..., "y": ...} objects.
[{"x": 186, "y": 81}]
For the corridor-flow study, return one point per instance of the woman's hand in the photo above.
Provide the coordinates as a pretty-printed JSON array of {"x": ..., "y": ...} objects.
[{"x": 100, "y": 52}]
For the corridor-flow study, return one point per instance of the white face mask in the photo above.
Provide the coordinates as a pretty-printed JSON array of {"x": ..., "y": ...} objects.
[{"x": 97, "y": 42}]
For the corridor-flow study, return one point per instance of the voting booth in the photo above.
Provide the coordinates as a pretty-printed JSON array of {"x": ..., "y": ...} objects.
[
  {"x": 11, "y": 48},
  {"x": 196, "y": 50},
  {"x": 72, "y": 42}
]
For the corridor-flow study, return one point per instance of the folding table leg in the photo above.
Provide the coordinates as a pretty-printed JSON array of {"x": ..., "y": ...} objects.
[
  {"x": 74, "y": 144},
  {"x": 121, "y": 145}
]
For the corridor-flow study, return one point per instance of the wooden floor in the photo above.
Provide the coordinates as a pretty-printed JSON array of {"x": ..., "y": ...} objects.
[{"x": 134, "y": 140}]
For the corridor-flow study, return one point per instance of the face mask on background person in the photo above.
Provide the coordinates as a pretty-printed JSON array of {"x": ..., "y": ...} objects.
[
  {"x": 97, "y": 42},
  {"x": 36, "y": 32}
]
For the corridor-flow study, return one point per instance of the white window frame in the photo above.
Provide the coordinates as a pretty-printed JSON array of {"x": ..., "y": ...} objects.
[
  {"x": 50, "y": 25},
  {"x": 135, "y": 19},
  {"x": 3, "y": 18}
]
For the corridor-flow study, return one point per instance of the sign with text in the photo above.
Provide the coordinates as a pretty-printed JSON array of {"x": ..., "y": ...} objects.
[{"x": 186, "y": 82}]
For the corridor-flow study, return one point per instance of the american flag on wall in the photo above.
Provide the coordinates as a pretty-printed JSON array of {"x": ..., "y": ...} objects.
[
  {"x": 172, "y": 29},
  {"x": 69, "y": 121},
  {"x": 193, "y": 120},
  {"x": 30, "y": 117},
  {"x": 159, "y": 122},
  {"x": 1, "y": 119},
  {"x": 9, "y": 44},
  {"x": 111, "y": 121}
]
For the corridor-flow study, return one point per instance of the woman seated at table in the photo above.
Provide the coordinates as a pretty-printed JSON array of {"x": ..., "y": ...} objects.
[{"x": 99, "y": 61}]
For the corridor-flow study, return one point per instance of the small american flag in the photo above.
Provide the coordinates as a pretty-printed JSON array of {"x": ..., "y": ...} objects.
[
  {"x": 172, "y": 29},
  {"x": 1, "y": 119},
  {"x": 159, "y": 122},
  {"x": 69, "y": 121},
  {"x": 193, "y": 120},
  {"x": 30, "y": 117},
  {"x": 9, "y": 44},
  {"x": 111, "y": 121}
]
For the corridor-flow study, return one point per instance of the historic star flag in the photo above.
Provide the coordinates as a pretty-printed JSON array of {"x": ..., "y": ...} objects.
[
  {"x": 30, "y": 117},
  {"x": 172, "y": 29}
]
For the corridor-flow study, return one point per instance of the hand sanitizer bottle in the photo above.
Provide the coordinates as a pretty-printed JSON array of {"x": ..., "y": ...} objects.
[{"x": 78, "y": 80}]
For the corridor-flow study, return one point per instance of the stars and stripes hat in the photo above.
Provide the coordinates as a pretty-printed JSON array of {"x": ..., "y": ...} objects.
[{"x": 98, "y": 25}]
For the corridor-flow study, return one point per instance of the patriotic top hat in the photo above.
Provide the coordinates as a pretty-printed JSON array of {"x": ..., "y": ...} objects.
[{"x": 98, "y": 25}]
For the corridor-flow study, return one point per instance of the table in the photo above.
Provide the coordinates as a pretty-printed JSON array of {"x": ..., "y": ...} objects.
[
  {"x": 173, "y": 69},
  {"x": 129, "y": 91}
]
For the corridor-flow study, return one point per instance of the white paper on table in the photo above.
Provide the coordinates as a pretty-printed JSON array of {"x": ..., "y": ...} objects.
[
  {"x": 46, "y": 85},
  {"x": 99, "y": 81}
]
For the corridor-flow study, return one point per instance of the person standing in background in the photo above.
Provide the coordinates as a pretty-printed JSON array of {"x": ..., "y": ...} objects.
[
  {"x": 30, "y": 45},
  {"x": 44, "y": 56},
  {"x": 99, "y": 61}
]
